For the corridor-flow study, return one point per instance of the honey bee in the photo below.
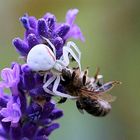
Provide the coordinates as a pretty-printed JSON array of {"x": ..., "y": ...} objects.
[{"x": 90, "y": 91}]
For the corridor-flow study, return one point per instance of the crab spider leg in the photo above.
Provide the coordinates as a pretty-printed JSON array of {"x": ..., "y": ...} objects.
[
  {"x": 45, "y": 76},
  {"x": 44, "y": 79},
  {"x": 72, "y": 44},
  {"x": 55, "y": 86},
  {"x": 49, "y": 81},
  {"x": 64, "y": 60},
  {"x": 52, "y": 46},
  {"x": 66, "y": 51}
]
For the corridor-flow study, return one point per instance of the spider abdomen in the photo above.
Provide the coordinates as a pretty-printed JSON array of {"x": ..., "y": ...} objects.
[{"x": 41, "y": 58}]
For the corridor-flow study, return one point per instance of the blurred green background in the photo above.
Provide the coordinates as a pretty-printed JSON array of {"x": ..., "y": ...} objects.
[{"x": 112, "y": 32}]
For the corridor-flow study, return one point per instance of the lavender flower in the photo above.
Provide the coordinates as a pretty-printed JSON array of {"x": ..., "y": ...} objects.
[
  {"x": 57, "y": 33},
  {"x": 16, "y": 115},
  {"x": 75, "y": 31},
  {"x": 12, "y": 112},
  {"x": 11, "y": 78},
  {"x": 28, "y": 112}
]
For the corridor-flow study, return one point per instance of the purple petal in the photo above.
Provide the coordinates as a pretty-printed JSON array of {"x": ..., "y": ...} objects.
[
  {"x": 11, "y": 112},
  {"x": 34, "y": 111},
  {"x": 2, "y": 94},
  {"x": 71, "y": 15},
  {"x": 3, "y": 84},
  {"x": 21, "y": 46},
  {"x": 23, "y": 102},
  {"x": 37, "y": 92},
  {"x": 8, "y": 119},
  {"x": 29, "y": 130},
  {"x": 32, "y": 40},
  {"x": 38, "y": 79},
  {"x": 3, "y": 99},
  {"x": 58, "y": 43},
  {"x": 75, "y": 33},
  {"x": 6, "y": 126},
  {"x": 45, "y": 122},
  {"x": 3, "y": 102},
  {"x": 11, "y": 77},
  {"x": 6, "y": 75},
  {"x": 51, "y": 128},
  {"x": 31, "y": 31},
  {"x": 28, "y": 24},
  {"x": 33, "y": 22},
  {"x": 42, "y": 28},
  {"x": 41, "y": 138},
  {"x": 48, "y": 130},
  {"x": 63, "y": 30},
  {"x": 2, "y": 133},
  {"x": 51, "y": 20},
  {"x": 25, "y": 22},
  {"x": 49, "y": 15},
  {"x": 28, "y": 80},
  {"x": 15, "y": 133},
  {"x": 16, "y": 107},
  {"x": 56, "y": 113},
  {"x": 16, "y": 72},
  {"x": 48, "y": 108},
  {"x": 4, "y": 112},
  {"x": 2, "y": 138},
  {"x": 25, "y": 69}
]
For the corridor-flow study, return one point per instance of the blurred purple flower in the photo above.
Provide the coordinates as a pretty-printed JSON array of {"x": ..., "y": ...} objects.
[
  {"x": 2, "y": 133},
  {"x": 75, "y": 31},
  {"x": 12, "y": 112},
  {"x": 11, "y": 78},
  {"x": 3, "y": 98}
]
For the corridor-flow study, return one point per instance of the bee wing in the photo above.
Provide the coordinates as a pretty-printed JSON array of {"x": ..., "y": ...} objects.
[
  {"x": 98, "y": 96},
  {"x": 87, "y": 93},
  {"x": 107, "y": 97}
]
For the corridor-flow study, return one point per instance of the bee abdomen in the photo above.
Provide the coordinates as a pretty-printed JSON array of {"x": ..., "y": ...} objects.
[{"x": 96, "y": 107}]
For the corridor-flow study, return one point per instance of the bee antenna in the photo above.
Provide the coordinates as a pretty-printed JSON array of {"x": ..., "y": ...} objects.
[
  {"x": 96, "y": 73},
  {"x": 73, "y": 75}
]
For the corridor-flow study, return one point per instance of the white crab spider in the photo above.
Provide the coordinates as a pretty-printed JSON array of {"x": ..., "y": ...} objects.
[{"x": 42, "y": 58}]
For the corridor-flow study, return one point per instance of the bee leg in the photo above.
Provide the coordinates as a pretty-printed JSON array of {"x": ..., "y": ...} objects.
[
  {"x": 84, "y": 80},
  {"x": 73, "y": 74},
  {"x": 62, "y": 100},
  {"x": 79, "y": 106},
  {"x": 98, "y": 78}
]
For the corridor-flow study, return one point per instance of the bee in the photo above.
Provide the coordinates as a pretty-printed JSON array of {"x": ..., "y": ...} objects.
[{"x": 90, "y": 91}]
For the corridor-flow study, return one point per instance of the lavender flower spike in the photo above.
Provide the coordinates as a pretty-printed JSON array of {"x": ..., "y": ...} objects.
[
  {"x": 28, "y": 112},
  {"x": 48, "y": 27}
]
